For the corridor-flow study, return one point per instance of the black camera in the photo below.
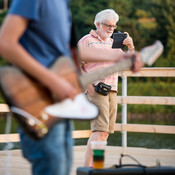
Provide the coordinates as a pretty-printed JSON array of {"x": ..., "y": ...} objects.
[{"x": 118, "y": 40}]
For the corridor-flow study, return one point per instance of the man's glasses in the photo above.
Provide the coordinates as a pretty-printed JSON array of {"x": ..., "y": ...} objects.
[{"x": 110, "y": 26}]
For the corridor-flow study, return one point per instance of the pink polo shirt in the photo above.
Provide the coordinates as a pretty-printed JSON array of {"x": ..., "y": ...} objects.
[{"x": 93, "y": 40}]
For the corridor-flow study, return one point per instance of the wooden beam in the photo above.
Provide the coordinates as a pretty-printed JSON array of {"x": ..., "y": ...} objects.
[
  {"x": 4, "y": 138},
  {"x": 76, "y": 134},
  {"x": 152, "y": 100},
  {"x": 4, "y": 108},
  {"x": 145, "y": 128},
  {"x": 128, "y": 100},
  {"x": 151, "y": 72}
]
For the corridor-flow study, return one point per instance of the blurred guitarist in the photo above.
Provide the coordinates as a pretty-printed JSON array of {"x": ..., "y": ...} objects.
[{"x": 35, "y": 33}]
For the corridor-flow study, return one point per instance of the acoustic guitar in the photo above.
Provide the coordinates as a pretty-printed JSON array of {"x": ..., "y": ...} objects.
[{"x": 35, "y": 107}]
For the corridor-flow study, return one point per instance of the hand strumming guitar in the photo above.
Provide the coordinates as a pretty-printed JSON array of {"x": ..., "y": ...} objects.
[
  {"x": 136, "y": 58},
  {"x": 61, "y": 88}
]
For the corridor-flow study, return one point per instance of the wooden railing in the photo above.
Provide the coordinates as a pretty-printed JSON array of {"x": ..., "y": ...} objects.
[{"x": 124, "y": 100}]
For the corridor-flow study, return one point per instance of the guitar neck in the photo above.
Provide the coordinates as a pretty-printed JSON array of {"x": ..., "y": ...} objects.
[
  {"x": 148, "y": 54},
  {"x": 91, "y": 77}
]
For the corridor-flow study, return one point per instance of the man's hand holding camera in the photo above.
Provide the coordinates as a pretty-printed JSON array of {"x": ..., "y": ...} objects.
[{"x": 128, "y": 42}]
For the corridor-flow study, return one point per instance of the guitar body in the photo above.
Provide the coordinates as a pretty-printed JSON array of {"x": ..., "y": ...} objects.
[{"x": 28, "y": 95}]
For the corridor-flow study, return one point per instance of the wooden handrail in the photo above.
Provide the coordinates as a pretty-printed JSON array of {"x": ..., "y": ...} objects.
[
  {"x": 4, "y": 107},
  {"x": 161, "y": 129},
  {"x": 146, "y": 100},
  {"x": 128, "y": 100},
  {"x": 144, "y": 72},
  {"x": 77, "y": 134},
  {"x": 151, "y": 72}
]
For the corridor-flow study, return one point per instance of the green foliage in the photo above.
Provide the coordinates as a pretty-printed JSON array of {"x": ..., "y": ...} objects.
[
  {"x": 123, "y": 8},
  {"x": 2, "y": 61},
  {"x": 84, "y": 16},
  {"x": 2, "y": 15},
  {"x": 2, "y": 100},
  {"x": 165, "y": 18},
  {"x": 1, "y": 4},
  {"x": 142, "y": 5},
  {"x": 140, "y": 13},
  {"x": 165, "y": 62},
  {"x": 3, "y": 120},
  {"x": 151, "y": 87}
]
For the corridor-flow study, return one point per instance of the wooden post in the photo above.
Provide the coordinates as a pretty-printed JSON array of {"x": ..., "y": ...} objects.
[
  {"x": 5, "y": 5},
  {"x": 124, "y": 110}
]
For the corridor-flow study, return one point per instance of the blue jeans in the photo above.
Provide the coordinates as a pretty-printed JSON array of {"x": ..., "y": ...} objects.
[{"x": 51, "y": 155}]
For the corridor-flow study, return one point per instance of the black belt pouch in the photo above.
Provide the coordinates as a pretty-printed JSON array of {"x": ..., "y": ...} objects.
[{"x": 103, "y": 89}]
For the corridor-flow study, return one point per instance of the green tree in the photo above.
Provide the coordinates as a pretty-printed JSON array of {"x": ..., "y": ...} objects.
[
  {"x": 83, "y": 13},
  {"x": 165, "y": 17},
  {"x": 128, "y": 13}
]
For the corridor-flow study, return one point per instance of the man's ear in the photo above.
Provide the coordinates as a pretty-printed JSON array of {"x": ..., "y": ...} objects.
[{"x": 98, "y": 24}]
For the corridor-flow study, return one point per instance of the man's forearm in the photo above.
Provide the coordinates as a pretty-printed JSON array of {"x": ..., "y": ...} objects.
[{"x": 99, "y": 54}]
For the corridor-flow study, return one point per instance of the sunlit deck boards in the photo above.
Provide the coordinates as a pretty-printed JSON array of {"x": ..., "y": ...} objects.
[{"x": 148, "y": 157}]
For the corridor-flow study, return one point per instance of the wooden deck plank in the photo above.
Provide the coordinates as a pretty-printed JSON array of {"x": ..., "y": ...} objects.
[{"x": 148, "y": 157}]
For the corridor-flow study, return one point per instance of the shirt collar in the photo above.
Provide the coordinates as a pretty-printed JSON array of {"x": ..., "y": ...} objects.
[{"x": 94, "y": 34}]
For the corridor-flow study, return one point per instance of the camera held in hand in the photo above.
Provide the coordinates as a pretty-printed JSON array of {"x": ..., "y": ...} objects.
[{"x": 118, "y": 39}]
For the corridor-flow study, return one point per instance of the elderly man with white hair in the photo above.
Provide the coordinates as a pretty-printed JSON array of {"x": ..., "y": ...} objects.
[{"x": 105, "y": 22}]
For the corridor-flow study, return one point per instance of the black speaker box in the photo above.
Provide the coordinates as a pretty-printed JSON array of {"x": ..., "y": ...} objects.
[{"x": 127, "y": 171}]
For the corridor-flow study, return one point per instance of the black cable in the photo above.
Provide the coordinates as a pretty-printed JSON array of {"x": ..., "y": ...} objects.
[{"x": 125, "y": 155}]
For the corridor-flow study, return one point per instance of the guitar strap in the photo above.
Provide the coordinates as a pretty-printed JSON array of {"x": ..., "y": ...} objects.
[{"x": 74, "y": 48}]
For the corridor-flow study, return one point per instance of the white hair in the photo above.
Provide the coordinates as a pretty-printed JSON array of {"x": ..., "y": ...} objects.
[{"x": 107, "y": 14}]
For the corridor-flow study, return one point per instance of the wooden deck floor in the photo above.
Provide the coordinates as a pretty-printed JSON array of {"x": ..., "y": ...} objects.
[{"x": 17, "y": 165}]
